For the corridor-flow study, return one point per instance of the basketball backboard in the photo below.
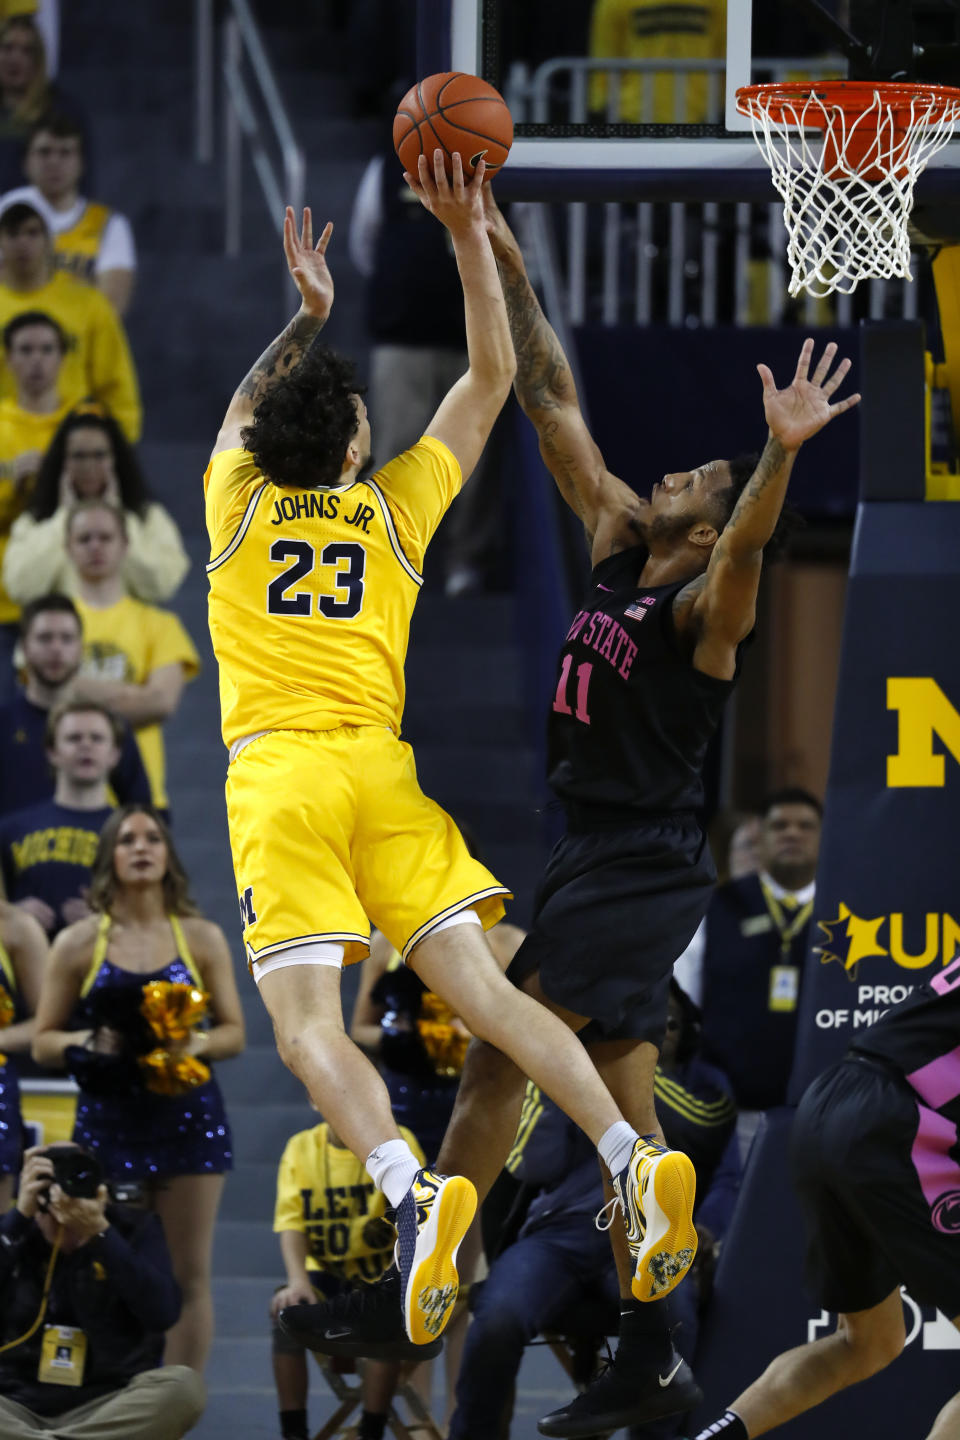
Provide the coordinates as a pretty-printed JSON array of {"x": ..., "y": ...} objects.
[{"x": 620, "y": 99}]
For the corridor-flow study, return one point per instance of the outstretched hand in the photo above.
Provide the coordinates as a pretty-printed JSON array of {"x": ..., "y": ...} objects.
[
  {"x": 455, "y": 203},
  {"x": 804, "y": 407},
  {"x": 307, "y": 262}
]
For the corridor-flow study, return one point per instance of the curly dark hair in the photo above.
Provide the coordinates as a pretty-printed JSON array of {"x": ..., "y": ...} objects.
[
  {"x": 134, "y": 494},
  {"x": 790, "y": 521},
  {"x": 304, "y": 423}
]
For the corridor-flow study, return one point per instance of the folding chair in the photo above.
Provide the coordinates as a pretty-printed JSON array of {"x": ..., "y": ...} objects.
[{"x": 346, "y": 1381}]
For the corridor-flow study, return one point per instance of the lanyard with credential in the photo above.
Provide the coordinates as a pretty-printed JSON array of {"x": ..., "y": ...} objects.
[{"x": 788, "y": 929}]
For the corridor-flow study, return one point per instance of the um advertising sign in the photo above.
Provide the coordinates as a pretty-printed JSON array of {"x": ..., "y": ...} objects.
[{"x": 887, "y": 918}]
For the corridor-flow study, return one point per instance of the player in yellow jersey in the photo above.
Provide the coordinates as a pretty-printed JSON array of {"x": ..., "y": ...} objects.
[{"x": 313, "y": 578}]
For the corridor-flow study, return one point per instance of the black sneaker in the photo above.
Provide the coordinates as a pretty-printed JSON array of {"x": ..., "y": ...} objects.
[
  {"x": 366, "y": 1321},
  {"x": 632, "y": 1395}
]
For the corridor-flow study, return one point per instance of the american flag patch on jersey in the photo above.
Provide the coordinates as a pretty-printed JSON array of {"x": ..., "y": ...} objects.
[{"x": 639, "y": 608}]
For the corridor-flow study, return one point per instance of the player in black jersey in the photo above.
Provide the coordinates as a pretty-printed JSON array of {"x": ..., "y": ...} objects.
[
  {"x": 876, "y": 1164},
  {"x": 645, "y": 670}
]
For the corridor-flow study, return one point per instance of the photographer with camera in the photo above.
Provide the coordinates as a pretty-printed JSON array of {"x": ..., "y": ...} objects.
[{"x": 86, "y": 1293}]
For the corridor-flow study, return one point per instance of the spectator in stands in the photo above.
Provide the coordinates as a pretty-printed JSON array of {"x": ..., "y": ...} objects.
[
  {"x": 26, "y": 92},
  {"x": 34, "y": 346},
  {"x": 51, "y": 654},
  {"x": 98, "y": 363},
  {"x": 692, "y": 30},
  {"x": 330, "y": 1219},
  {"x": 46, "y": 16},
  {"x": 556, "y": 1273},
  {"x": 750, "y": 977},
  {"x": 90, "y": 240},
  {"x": 112, "y": 1284},
  {"x": 414, "y": 318},
  {"x": 47, "y": 851},
  {"x": 137, "y": 657},
  {"x": 161, "y": 1122},
  {"x": 89, "y": 458},
  {"x": 23, "y": 954}
]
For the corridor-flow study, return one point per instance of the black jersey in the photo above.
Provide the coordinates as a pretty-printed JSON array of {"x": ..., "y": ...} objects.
[
  {"x": 920, "y": 1038},
  {"x": 631, "y": 718}
]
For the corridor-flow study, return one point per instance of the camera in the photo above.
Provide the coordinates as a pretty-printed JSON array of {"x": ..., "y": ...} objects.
[{"x": 76, "y": 1172}]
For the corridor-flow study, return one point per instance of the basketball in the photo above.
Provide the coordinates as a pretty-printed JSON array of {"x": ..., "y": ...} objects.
[{"x": 455, "y": 112}]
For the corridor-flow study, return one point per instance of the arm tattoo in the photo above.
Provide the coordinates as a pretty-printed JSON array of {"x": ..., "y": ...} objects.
[
  {"x": 754, "y": 496},
  {"x": 543, "y": 379},
  {"x": 281, "y": 357}
]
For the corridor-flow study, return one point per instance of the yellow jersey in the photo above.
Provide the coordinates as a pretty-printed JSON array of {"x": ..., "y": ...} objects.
[
  {"x": 324, "y": 1192},
  {"x": 649, "y": 30},
  {"x": 127, "y": 642},
  {"x": 312, "y": 591},
  {"x": 20, "y": 430},
  {"x": 76, "y": 249},
  {"x": 98, "y": 362}
]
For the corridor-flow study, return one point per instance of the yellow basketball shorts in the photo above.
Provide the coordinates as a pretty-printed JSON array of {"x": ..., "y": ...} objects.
[{"x": 330, "y": 832}]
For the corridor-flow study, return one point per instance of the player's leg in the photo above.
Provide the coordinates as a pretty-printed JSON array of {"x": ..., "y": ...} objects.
[
  {"x": 433, "y": 1213},
  {"x": 304, "y": 1005},
  {"x": 457, "y": 964},
  {"x": 862, "y": 1344},
  {"x": 296, "y": 880}
]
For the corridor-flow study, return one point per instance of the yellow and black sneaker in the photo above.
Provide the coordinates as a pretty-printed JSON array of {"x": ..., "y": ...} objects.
[
  {"x": 656, "y": 1191},
  {"x": 431, "y": 1220}
]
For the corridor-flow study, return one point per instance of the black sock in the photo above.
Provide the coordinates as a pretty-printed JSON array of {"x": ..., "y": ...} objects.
[
  {"x": 293, "y": 1424},
  {"x": 644, "y": 1327},
  {"x": 371, "y": 1426},
  {"x": 728, "y": 1427}
]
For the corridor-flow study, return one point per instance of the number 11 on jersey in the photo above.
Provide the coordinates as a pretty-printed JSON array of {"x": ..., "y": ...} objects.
[{"x": 584, "y": 671}]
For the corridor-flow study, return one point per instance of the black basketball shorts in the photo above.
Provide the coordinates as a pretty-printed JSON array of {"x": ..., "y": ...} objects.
[
  {"x": 869, "y": 1226},
  {"x": 615, "y": 908}
]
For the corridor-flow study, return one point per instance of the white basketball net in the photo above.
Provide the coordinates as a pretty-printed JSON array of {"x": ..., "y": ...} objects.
[{"x": 841, "y": 227}]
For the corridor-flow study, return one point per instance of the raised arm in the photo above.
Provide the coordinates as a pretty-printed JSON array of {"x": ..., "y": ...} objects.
[
  {"x": 724, "y": 607},
  {"x": 546, "y": 391},
  {"x": 308, "y": 267},
  {"x": 467, "y": 413}
]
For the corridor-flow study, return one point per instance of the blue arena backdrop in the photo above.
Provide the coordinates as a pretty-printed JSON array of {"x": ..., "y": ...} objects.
[{"x": 601, "y": 160}]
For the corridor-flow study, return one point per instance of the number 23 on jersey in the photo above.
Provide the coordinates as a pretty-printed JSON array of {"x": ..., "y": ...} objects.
[{"x": 345, "y": 561}]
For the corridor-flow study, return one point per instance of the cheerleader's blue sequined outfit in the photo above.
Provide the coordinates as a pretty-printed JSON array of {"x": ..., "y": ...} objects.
[
  {"x": 11, "y": 1125},
  {"x": 143, "y": 1136}
]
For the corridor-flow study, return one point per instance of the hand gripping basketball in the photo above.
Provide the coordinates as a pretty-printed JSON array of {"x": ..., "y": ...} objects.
[
  {"x": 804, "y": 407},
  {"x": 456, "y": 205}
]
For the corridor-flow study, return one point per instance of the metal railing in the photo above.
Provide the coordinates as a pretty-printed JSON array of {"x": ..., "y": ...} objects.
[
  {"x": 679, "y": 263},
  {"x": 254, "y": 115}
]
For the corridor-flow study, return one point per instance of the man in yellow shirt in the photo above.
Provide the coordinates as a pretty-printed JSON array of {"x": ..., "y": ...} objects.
[
  {"x": 314, "y": 574},
  {"x": 98, "y": 363},
  {"x": 137, "y": 657},
  {"x": 330, "y": 1219},
  {"x": 90, "y": 240},
  {"x": 34, "y": 346}
]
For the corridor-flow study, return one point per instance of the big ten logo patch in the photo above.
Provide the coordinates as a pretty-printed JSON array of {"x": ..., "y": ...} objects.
[{"x": 928, "y": 724}]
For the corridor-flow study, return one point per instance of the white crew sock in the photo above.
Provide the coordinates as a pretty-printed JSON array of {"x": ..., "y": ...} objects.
[
  {"x": 616, "y": 1146},
  {"x": 392, "y": 1167}
]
